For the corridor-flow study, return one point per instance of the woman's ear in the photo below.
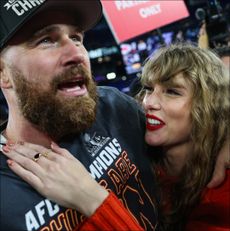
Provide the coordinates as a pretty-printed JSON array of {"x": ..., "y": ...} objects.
[{"x": 4, "y": 75}]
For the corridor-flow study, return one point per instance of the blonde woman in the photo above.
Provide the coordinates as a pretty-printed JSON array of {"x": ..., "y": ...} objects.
[{"x": 187, "y": 110}]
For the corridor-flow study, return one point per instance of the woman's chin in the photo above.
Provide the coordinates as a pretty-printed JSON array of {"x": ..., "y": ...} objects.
[{"x": 153, "y": 141}]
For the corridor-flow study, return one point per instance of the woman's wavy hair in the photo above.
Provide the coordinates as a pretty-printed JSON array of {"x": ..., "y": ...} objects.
[{"x": 209, "y": 79}]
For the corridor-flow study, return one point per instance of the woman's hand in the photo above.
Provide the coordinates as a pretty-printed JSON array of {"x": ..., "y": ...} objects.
[{"x": 57, "y": 175}]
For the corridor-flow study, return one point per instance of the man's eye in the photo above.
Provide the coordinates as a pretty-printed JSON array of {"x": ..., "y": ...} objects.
[
  {"x": 77, "y": 38},
  {"x": 44, "y": 41}
]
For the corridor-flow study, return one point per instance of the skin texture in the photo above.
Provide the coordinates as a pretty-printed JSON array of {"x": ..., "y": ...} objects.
[{"x": 172, "y": 106}]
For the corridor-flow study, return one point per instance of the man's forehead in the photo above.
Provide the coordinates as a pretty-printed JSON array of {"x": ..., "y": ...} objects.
[{"x": 57, "y": 28}]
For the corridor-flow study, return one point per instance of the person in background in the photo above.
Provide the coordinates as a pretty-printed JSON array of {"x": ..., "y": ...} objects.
[
  {"x": 47, "y": 82},
  {"x": 187, "y": 122},
  {"x": 223, "y": 50}
]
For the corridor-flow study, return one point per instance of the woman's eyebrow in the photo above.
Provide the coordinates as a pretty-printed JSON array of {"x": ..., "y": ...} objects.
[{"x": 171, "y": 82}]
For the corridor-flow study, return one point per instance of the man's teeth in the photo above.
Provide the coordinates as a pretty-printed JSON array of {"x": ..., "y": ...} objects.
[
  {"x": 153, "y": 122},
  {"x": 73, "y": 89}
]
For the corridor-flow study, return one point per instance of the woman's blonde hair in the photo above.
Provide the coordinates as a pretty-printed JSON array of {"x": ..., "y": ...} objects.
[{"x": 209, "y": 79}]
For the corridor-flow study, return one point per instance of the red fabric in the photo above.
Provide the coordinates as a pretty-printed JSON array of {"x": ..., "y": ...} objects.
[
  {"x": 213, "y": 213},
  {"x": 111, "y": 215},
  {"x": 167, "y": 182}
]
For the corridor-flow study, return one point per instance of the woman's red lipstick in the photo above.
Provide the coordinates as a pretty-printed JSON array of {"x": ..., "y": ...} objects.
[{"x": 153, "y": 123}]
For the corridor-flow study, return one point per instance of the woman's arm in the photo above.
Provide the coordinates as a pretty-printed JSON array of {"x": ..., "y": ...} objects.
[
  {"x": 57, "y": 175},
  {"x": 111, "y": 215}
]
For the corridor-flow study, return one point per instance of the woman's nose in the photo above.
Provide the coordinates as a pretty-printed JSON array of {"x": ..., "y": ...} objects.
[{"x": 152, "y": 101}]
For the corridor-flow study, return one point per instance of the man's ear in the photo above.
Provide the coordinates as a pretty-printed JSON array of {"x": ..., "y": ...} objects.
[{"x": 4, "y": 75}]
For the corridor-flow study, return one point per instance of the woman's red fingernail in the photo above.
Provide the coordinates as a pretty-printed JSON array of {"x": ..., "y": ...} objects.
[
  {"x": 6, "y": 148},
  {"x": 10, "y": 162}
]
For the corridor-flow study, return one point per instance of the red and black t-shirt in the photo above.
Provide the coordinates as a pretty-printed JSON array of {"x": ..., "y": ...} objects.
[{"x": 111, "y": 150}]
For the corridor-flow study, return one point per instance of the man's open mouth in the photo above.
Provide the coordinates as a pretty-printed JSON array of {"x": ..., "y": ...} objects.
[{"x": 73, "y": 87}]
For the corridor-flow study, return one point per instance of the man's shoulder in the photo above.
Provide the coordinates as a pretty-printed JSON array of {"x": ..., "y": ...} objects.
[
  {"x": 106, "y": 91},
  {"x": 117, "y": 106},
  {"x": 113, "y": 95}
]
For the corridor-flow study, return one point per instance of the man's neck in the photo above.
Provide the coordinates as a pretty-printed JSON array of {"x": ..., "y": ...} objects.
[{"x": 22, "y": 130}]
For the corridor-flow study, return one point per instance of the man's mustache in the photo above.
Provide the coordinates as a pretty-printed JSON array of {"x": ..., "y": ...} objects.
[{"x": 70, "y": 74}]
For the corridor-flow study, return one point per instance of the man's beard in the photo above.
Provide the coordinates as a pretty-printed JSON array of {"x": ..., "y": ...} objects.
[{"x": 57, "y": 116}]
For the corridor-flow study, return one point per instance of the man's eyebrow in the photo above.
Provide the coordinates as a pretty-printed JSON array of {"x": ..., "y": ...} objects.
[
  {"x": 51, "y": 29},
  {"x": 46, "y": 30}
]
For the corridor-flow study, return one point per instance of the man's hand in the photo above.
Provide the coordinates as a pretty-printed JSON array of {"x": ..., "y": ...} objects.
[{"x": 222, "y": 162}]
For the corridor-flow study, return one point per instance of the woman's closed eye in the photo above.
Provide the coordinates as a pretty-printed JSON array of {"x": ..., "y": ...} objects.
[
  {"x": 147, "y": 88},
  {"x": 172, "y": 91}
]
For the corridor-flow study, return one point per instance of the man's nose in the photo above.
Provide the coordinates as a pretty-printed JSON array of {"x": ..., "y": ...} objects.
[{"x": 73, "y": 53}]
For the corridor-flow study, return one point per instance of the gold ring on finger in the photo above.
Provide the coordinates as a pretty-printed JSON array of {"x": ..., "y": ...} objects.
[{"x": 45, "y": 154}]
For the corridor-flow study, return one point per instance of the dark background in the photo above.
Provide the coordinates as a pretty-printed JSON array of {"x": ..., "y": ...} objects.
[{"x": 106, "y": 55}]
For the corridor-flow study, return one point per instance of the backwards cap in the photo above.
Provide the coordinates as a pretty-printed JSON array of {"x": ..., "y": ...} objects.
[{"x": 15, "y": 13}]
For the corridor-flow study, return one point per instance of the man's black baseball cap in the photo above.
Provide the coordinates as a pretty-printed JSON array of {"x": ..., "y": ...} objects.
[{"x": 15, "y": 14}]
